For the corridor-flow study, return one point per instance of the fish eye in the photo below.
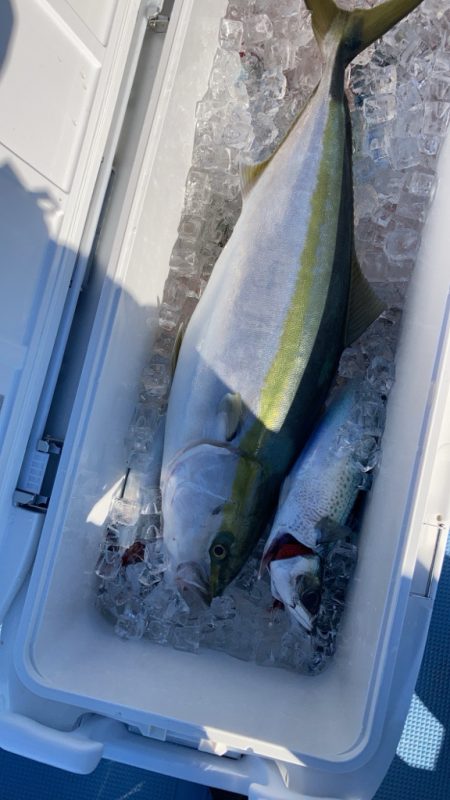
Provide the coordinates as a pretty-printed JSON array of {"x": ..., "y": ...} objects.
[
  {"x": 219, "y": 551},
  {"x": 221, "y": 547}
]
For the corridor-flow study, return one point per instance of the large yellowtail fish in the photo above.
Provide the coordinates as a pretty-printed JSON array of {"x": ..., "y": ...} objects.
[{"x": 260, "y": 351}]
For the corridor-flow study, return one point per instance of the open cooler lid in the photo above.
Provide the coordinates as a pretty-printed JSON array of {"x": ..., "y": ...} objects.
[{"x": 65, "y": 74}]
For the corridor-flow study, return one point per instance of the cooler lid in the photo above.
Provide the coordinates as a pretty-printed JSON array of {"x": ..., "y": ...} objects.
[{"x": 64, "y": 67}]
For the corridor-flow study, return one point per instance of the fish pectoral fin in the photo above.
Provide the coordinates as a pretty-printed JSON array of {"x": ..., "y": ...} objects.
[
  {"x": 250, "y": 174},
  {"x": 363, "y": 306},
  {"x": 230, "y": 414},
  {"x": 330, "y": 531}
]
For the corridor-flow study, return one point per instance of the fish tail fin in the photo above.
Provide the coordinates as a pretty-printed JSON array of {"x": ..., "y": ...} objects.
[
  {"x": 367, "y": 25},
  {"x": 361, "y": 26},
  {"x": 323, "y": 14}
]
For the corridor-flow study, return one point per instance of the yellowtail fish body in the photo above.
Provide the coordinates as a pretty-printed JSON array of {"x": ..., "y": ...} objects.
[{"x": 260, "y": 351}]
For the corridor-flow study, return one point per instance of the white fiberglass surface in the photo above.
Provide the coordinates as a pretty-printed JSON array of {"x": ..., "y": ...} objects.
[{"x": 70, "y": 651}]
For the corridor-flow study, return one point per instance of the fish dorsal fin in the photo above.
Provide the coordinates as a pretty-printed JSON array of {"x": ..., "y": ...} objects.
[
  {"x": 230, "y": 414},
  {"x": 250, "y": 174},
  {"x": 363, "y": 307}
]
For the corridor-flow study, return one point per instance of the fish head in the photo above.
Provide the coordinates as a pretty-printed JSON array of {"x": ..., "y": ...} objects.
[
  {"x": 296, "y": 583},
  {"x": 295, "y": 577},
  {"x": 210, "y": 498}
]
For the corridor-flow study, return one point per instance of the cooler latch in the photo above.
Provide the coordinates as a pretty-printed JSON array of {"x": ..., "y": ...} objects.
[{"x": 37, "y": 475}]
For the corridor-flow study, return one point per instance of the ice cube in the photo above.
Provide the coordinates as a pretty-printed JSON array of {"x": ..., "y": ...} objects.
[
  {"x": 440, "y": 87},
  {"x": 388, "y": 184},
  {"x": 151, "y": 501},
  {"x": 383, "y": 80},
  {"x": 340, "y": 561},
  {"x": 217, "y": 634},
  {"x": 158, "y": 600},
  {"x": 247, "y": 575},
  {"x": 148, "y": 577},
  {"x": 131, "y": 623},
  {"x": 401, "y": 243},
  {"x": 279, "y": 53},
  {"x": 381, "y": 375},
  {"x": 214, "y": 157},
  {"x": 379, "y": 109},
  {"x": 352, "y": 363},
  {"x": 159, "y": 631},
  {"x": 176, "y": 608},
  {"x": 257, "y": 28},
  {"x": 108, "y": 564},
  {"x": 133, "y": 573},
  {"x": 225, "y": 82},
  {"x": 422, "y": 183},
  {"x": 105, "y": 602},
  {"x": 436, "y": 117},
  {"x": 143, "y": 426},
  {"x": 366, "y": 202},
  {"x": 238, "y": 9},
  {"x": 223, "y": 607},
  {"x": 236, "y": 129},
  {"x": 369, "y": 416},
  {"x": 377, "y": 341},
  {"x": 217, "y": 233},
  {"x": 186, "y": 637},
  {"x": 155, "y": 556},
  {"x": 276, "y": 8},
  {"x": 231, "y": 33},
  {"x": 404, "y": 152},
  {"x": 429, "y": 145},
  {"x": 412, "y": 207},
  {"x": 197, "y": 191},
  {"x": 366, "y": 453},
  {"x": 183, "y": 263},
  {"x": 164, "y": 343},
  {"x": 227, "y": 186},
  {"x": 124, "y": 512},
  {"x": 155, "y": 378}
]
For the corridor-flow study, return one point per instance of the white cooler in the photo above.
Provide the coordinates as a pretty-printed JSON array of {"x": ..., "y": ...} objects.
[{"x": 96, "y": 134}]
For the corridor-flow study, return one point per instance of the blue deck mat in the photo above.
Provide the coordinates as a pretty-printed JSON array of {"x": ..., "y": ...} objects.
[
  {"x": 21, "y": 779},
  {"x": 420, "y": 770}
]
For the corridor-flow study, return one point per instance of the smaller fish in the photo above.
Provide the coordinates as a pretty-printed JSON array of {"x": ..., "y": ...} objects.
[{"x": 315, "y": 502}]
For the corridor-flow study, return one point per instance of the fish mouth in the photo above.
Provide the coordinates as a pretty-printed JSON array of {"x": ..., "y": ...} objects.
[
  {"x": 295, "y": 579},
  {"x": 285, "y": 546}
]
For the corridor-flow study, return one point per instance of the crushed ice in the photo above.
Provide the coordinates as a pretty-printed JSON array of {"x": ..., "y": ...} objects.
[{"x": 265, "y": 68}]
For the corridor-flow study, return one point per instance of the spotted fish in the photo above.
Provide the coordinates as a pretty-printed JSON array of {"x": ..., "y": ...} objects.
[
  {"x": 260, "y": 351},
  {"x": 315, "y": 502}
]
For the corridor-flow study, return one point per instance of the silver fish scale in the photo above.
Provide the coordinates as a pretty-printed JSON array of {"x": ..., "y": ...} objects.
[{"x": 327, "y": 490}]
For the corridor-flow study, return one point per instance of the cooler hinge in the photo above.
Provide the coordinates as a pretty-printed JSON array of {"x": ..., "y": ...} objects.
[
  {"x": 194, "y": 743},
  {"x": 37, "y": 475},
  {"x": 159, "y": 23}
]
